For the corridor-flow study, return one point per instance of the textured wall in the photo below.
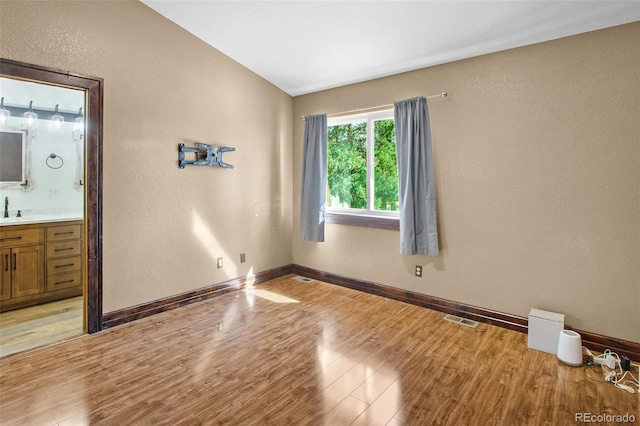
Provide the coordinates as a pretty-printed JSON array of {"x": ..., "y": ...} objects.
[
  {"x": 537, "y": 166},
  {"x": 537, "y": 159},
  {"x": 164, "y": 227}
]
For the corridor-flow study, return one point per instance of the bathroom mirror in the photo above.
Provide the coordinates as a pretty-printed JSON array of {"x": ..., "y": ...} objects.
[{"x": 14, "y": 172}]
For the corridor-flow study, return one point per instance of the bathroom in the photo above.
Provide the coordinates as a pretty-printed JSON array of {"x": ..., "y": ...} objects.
[{"x": 42, "y": 190}]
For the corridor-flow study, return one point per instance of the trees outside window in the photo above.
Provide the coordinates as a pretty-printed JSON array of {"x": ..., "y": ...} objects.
[{"x": 362, "y": 169}]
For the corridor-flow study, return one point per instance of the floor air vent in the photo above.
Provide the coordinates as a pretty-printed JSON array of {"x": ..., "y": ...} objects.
[
  {"x": 302, "y": 279},
  {"x": 463, "y": 321}
]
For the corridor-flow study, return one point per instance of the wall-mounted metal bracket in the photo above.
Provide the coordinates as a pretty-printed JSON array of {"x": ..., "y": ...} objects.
[{"x": 206, "y": 155}]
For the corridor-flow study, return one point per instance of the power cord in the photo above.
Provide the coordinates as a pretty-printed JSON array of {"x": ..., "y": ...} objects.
[{"x": 609, "y": 362}]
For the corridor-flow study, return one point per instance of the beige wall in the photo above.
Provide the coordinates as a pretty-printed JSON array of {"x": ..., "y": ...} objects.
[
  {"x": 164, "y": 227},
  {"x": 537, "y": 158},
  {"x": 537, "y": 166}
]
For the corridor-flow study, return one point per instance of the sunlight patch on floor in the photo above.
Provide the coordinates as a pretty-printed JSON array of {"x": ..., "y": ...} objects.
[
  {"x": 250, "y": 279},
  {"x": 269, "y": 295}
]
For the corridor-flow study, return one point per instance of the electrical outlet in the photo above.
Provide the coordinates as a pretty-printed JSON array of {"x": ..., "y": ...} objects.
[
  {"x": 219, "y": 262},
  {"x": 418, "y": 271},
  {"x": 243, "y": 258}
]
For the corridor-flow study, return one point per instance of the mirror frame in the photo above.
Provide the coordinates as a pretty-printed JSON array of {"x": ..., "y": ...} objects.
[
  {"x": 25, "y": 182},
  {"x": 94, "y": 88}
]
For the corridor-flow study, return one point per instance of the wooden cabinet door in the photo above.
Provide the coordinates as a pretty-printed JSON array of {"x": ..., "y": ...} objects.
[
  {"x": 27, "y": 270},
  {"x": 5, "y": 274}
]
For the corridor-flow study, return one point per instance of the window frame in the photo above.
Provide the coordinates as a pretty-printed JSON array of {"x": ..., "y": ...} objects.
[{"x": 368, "y": 217}]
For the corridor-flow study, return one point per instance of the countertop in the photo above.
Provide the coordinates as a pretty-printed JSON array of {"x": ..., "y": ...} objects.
[{"x": 40, "y": 218}]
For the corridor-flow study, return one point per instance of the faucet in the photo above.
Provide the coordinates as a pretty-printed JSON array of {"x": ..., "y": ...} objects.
[{"x": 6, "y": 206}]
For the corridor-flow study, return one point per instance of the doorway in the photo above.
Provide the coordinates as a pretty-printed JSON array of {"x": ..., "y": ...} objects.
[{"x": 89, "y": 179}]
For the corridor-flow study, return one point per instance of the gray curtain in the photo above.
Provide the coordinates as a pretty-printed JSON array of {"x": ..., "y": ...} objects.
[
  {"x": 314, "y": 178},
  {"x": 418, "y": 228}
]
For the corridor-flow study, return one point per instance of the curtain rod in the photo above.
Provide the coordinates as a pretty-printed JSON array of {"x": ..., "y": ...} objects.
[{"x": 429, "y": 97}]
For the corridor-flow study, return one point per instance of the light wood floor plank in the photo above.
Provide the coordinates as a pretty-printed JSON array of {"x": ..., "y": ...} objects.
[
  {"x": 298, "y": 353},
  {"x": 28, "y": 328}
]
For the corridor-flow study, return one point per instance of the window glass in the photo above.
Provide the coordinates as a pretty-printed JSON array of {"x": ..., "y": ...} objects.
[
  {"x": 347, "y": 166},
  {"x": 362, "y": 173},
  {"x": 385, "y": 172}
]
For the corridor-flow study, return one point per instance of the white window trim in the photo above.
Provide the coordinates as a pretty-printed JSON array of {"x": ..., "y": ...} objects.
[{"x": 369, "y": 117}]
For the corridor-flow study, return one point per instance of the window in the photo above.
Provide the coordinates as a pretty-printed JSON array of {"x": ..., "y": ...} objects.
[{"x": 362, "y": 173}]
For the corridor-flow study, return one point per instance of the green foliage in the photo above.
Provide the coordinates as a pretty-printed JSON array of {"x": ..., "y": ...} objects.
[
  {"x": 385, "y": 175},
  {"x": 347, "y": 166}
]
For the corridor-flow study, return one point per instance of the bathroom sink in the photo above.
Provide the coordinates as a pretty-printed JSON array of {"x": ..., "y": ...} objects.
[{"x": 38, "y": 217}]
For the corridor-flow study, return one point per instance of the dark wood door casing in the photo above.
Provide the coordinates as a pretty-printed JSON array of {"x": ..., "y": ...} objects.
[{"x": 93, "y": 87}]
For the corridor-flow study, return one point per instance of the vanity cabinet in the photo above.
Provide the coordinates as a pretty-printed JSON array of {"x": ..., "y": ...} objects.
[
  {"x": 22, "y": 274},
  {"x": 40, "y": 263},
  {"x": 64, "y": 257}
]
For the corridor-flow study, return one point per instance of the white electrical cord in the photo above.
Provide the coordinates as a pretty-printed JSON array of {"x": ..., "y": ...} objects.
[{"x": 608, "y": 361}]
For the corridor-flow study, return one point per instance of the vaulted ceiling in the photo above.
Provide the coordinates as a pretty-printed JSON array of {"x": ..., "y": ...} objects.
[{"x": 307, "y": 46}]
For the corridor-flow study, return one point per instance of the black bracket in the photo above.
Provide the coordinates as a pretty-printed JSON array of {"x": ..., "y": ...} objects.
[{"x": 206, "y": 155}]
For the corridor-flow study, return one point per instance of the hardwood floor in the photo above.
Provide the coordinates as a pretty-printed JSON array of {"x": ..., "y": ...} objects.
[
  {"x": 295, "y": 353},
  {"x": 39, "y": 325}
]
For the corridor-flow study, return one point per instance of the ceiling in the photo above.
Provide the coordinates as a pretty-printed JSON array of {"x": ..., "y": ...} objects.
[{"x": 308, "y": 46}]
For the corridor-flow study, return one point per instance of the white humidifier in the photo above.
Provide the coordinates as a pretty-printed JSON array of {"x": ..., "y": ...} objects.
[{"x": 570, "y": 348}]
